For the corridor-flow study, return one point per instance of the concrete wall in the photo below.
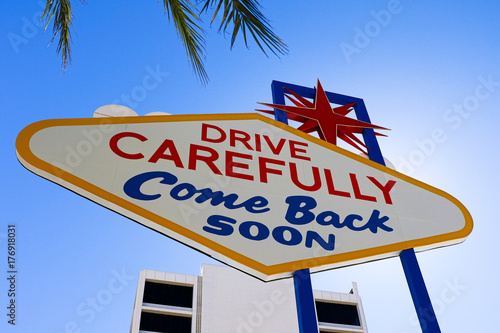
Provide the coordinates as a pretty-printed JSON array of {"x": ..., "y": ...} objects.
[{"x": 235, "y": 302}]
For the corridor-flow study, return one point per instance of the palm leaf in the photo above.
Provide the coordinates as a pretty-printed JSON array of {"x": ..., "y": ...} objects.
[
  {"x": 184, "y": 17},
  {"x": 245, "y": 15},
  {"x": 62, "y": 13}
]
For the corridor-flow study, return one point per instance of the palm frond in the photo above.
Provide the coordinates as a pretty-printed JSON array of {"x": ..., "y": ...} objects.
[
  {"x": 185, "y": 20},
  {"x": 61, "y": 12},
  {"x": 245, "y": 15}
]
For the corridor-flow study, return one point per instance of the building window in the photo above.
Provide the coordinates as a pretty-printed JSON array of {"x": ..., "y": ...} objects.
[
  {"x": 154, "y": 322},
  {"x": 335, "y": 313},
  {"x": 168, "y": 294}
]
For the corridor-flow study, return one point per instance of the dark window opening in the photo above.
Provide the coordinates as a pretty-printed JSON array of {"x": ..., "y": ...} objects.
[
  {"x": 155, "y": 322},
  {"x": 168, "y": 294},
  {"x": 337, "y": 313}
]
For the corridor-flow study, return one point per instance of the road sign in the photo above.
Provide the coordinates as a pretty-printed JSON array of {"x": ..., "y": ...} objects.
[{"x": 247, "y": 190}]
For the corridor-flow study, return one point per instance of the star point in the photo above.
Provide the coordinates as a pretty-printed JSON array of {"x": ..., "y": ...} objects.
[{"x": 319, "y": 116}]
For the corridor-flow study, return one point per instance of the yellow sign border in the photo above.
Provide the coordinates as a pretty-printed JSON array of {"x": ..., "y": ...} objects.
[{"x": 42, "y": 168}]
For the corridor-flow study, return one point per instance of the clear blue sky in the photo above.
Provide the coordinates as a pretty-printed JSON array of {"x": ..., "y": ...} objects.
[{"x": 430, "y": 67}]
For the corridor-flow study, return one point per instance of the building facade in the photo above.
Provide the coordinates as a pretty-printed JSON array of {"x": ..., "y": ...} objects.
[{"x": 226, "y": 300}]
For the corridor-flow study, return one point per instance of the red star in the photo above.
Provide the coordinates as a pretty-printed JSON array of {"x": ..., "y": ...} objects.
[{"x": 319, "y": 116}]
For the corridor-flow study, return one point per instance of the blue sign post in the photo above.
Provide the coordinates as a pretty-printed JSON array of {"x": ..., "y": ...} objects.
[
  {"x": 306, "y": 309},
  {"x": 303, "y": 289},
  {"x": 419, "y": 294}
]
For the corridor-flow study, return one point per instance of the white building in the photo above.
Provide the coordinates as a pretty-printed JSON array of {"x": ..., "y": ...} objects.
[{"x": 224, "y": 300}]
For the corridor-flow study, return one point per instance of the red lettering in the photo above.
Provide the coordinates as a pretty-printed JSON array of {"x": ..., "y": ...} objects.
[
  {"x": 113, "y": 144},
  {"x": 244, "y": 138},
  {"x": 331, "y": 187},
  {"x": 160, "y": 153},
  {"x": 204, "y": 133},
  {"x": 384, "y": 188},
  {"x": 257, "y": 143},
  {"x": 294, "y": 150},
  {"x": 317, "y": 180},
  {"x": 276, "y": 150},
  {"x": 208, "y": 160},
  {"x": 264, "y": 170},
  {"x": 357, "y": 192},
  {"x": 231, "y": 164}
]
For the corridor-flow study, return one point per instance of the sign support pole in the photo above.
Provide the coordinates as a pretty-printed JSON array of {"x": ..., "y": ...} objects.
[
  {"x": 418, "y": 290},
  {"x": 419, "y": 294},
  {"x": 306, "y": 309},
  {"x": 304, "y": 298}
]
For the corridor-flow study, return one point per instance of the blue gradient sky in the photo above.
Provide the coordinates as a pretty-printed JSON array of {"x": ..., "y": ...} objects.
[{"x": 414, "y": 70}]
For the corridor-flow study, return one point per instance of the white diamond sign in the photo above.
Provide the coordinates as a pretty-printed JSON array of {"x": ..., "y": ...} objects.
[{"x": 247, "y": 190}]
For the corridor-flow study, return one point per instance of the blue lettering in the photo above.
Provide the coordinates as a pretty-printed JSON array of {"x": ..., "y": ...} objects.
[
  {"x": 186, "y": 191},
  {"x": 376, "y": 222},
  {"x": 133, "y": 186},
  {"x": 349, "y": 222},
  {"x": 313, "y": 235},
  {"x": 299, "y": 212},
  {"x": 253, "y": 230},
  {"x": 328, "y": 217},
  {"x": 189, "y": 189},
  {"x": 262, "y": 230},
  {"x": 279, "y": 235},
  {"x": 299, "y": 207},
  {"x": 219, "y": 222},
  {"x": 229, "y": 200}
]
